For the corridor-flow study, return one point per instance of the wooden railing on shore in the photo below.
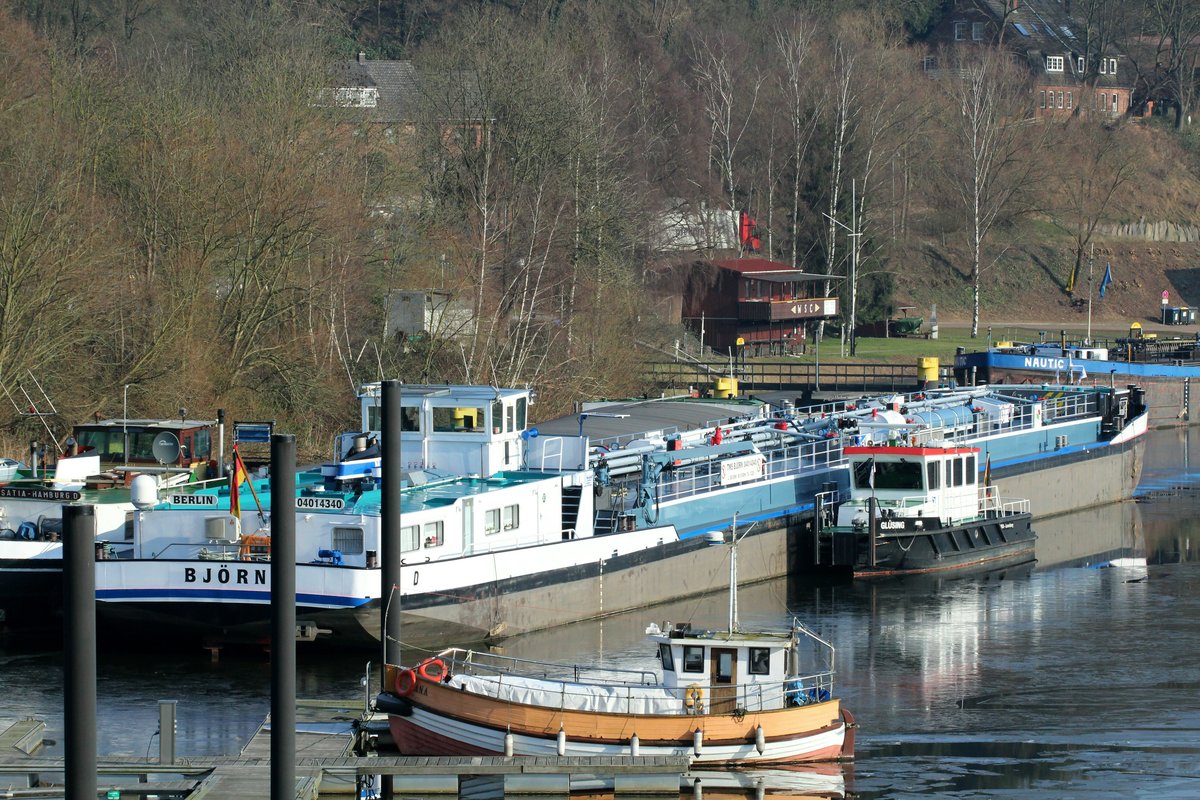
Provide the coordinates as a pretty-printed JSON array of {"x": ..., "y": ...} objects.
[{"x": 763, "y": 376}]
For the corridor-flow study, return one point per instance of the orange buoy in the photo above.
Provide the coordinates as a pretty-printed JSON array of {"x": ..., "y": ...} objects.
[
  {"x": 406, "y": 681},
  {"x": 432, "y": 669}
]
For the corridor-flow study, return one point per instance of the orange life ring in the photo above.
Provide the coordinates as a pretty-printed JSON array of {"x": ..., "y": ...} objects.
[
  {"x": 406, "y": 681},
  {"x": 434, "y": 665}
]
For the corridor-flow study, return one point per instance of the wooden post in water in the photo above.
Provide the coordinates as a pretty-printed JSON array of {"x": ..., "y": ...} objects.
[
  {"x": 79, "y": 695},
  {"x": 283, "y": 616}
]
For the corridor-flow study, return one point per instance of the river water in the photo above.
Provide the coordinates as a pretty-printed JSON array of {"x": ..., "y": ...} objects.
[{"x": 1061, "y": 679}]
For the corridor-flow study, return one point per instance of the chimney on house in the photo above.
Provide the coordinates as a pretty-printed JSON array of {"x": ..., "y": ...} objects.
[{"x": 362, "y": 57}]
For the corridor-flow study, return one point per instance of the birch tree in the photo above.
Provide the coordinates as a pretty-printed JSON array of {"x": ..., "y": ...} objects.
[
  {"x": 728, "y": 85},
  {"x": 802, "y": 93},
  {"x": 988, "y": 161}
]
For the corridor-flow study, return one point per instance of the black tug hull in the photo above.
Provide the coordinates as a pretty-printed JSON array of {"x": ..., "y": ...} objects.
[{"x": 1008, "y": 538}]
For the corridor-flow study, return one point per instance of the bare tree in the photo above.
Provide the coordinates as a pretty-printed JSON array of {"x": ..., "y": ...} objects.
[
  {"x": 989, "y": 160},
  {"x": 802, "y": 94},
  {"x": 1175, "y": 27},
  {"x": 728, "y": 85},
  {"x": 1099, "y": 160}
]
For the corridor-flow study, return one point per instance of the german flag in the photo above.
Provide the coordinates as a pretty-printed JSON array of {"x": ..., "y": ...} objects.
[{"x": 236, "y": 480}]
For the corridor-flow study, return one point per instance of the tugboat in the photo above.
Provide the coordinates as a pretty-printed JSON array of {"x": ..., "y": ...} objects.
[{"x": 916, "y": 508}]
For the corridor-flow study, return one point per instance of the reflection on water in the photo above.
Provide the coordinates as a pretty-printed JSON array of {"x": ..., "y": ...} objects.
[{"x": 1054, "y": 679}]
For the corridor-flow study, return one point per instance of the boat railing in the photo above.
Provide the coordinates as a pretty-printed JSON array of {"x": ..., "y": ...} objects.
[
  {"x": 993, "y": 505},
  {"x": 781, "y": 462},
  {"x": 189, "y": 551},
  {"x": 603, "y": 690},
  {"x": 473, "y": 662}
]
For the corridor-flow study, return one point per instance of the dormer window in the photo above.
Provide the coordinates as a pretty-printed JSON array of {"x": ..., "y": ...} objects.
[
  {"x": 1054, "y": 63},
  {"x": 977, "y": 29},
  {"x": 1112, "y": 66},
  {"x": 1104, "y": 66},
  {"x": 960, "y": 31},
  {"x": 1082, "y": 65}
]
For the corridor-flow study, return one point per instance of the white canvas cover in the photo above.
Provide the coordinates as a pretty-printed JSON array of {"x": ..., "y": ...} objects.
[{"x": 573, "y": 696}]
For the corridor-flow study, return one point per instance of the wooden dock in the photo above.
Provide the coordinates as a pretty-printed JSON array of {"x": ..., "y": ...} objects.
[{"x": 326, "y": 765}]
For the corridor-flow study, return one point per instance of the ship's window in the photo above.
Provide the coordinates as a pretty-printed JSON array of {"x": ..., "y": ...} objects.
[
  {"x": 201, "y": 443},
  {"x": 522, "y": 413},
  {"x": 512, "y": 517},
  {"x": 509, "y": 419},
  {"x": 348, "y": 540},
  {"x": 664, "y": 655},
  {"x": 410, "y": 538},
  {"x": 958, "y": 472},
  {"x": 693, "y": 658},
  {"x": 410, "y": 419},
  {"x": 447, "y": 420},
  {"x": 724, "y": 667},
  {"x": 970, "y": 471},
  {"x": 934, "y": 471},
  {"x": 434, "y": 533},
  {"x": 491, "y": 520},
  {"x": 497, "y": 416},
  {"x": 887, "y": 475},
  {"x": 760, "y": 660}
]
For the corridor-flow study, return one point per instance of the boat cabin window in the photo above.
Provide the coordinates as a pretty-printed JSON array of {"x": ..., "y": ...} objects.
[
  {"x": 199, "y": 444},
  {"x": 348, "y": 540},
  {"x": 934, "y": 474},
  {"x": 512, "y": 517},
  {"x": 457, "y": 420},
  {"x": 522, "y": 413},
  {"x": 664, "y": 655},
  {"x": 410, "y": 537},
  {"x": 410, "y": 419},
  {"x": 693, "y": 658},
  {"x": 760, "y": 661},
  {"x": 434, "y": 533},
  {"x": 491, "y": 520},
  {"x": 888, "y": 474},
  {"x": 724, "y": 671},
  {"x": 109, "y": 444},
  {"x": 957, "y": 468},
  {"x": 497, "y": 416},
  {"x": 970, "y": 470}
]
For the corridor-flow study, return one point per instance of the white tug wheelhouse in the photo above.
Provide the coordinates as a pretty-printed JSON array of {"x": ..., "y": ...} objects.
[{"x": 936, "y": 484}]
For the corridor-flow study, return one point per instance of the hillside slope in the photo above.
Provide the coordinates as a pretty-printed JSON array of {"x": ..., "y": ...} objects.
[{"x": 1028, "y": 262}]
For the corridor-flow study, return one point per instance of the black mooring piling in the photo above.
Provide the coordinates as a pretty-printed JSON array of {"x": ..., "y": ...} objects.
[
  {"x": 390, "y": 518},
  {"x": 283, "y": 617},
  {"x": 79, "y": 646}
]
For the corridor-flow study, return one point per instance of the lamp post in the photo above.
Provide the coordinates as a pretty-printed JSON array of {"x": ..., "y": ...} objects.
[
  {"x": 125, "y": 425},
  {"x": 853, "y": 235}
]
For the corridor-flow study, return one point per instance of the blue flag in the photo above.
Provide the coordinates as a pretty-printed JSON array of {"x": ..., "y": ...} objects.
[{"x": 1106, "y": 280}]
